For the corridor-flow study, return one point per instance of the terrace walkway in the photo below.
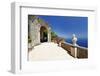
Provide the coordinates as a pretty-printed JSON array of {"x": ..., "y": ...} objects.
[{"x": 48, "y": 51}]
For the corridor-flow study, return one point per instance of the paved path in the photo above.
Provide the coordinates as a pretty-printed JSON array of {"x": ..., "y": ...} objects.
[{"x": 48, "y": 51}]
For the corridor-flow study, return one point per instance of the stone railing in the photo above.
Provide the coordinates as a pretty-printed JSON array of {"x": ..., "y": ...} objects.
[
  {"x": 82, "y": 52},
  {"x": 75, "y": 51}
]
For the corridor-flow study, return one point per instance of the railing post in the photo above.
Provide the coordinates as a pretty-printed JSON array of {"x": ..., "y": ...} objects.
[
  {"x": 75, "y": 52},
  {"x": 59, "y": 44},
  {"x": 74, "y": 40}
]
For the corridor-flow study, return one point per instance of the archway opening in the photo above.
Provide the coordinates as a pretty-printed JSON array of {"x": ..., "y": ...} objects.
[{"x": 43, "y": 34}]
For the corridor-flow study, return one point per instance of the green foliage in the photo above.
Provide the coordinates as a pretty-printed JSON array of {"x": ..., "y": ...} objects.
[
  {"x": 40, "y": 20},
  {"x": 53, "y": 35}
]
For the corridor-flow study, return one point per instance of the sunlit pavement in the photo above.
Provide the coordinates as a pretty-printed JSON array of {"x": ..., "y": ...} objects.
[{"x": 48, "y": 51}]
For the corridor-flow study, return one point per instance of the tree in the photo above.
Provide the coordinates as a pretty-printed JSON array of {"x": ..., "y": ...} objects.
[{"x": 53, "y": 35}]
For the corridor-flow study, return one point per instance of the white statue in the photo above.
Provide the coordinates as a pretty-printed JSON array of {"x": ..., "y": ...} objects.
[{"x": 74, "y": 40}]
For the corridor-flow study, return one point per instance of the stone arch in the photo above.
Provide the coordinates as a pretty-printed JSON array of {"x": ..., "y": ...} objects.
[{"x": 43, "y": 34}]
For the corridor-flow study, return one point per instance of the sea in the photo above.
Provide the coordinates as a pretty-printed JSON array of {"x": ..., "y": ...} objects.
[{"x": 81, "y": 42}]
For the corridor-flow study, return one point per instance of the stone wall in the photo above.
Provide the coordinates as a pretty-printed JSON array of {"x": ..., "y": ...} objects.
[{"x": 35, "y": 24}]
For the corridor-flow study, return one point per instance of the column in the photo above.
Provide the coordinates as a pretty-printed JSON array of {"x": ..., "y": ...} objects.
[
  {"x": 74, "y": 40},
  {"x": 49, "y": 34}
]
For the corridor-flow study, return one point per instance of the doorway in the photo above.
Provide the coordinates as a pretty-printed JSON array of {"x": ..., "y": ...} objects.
[{"x": 43, "y": 34}]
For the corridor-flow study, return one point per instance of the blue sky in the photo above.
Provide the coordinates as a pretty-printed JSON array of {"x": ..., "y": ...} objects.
[{"x": 65, "y": 26}]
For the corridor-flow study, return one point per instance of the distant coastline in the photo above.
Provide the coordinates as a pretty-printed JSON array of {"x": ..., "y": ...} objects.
[{"x": 81, "y": 42}]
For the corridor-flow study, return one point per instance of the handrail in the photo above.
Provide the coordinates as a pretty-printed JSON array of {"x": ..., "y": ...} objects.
[
  {"x": 75, "y": 46},
  {"x": 75, "y": 51}
]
